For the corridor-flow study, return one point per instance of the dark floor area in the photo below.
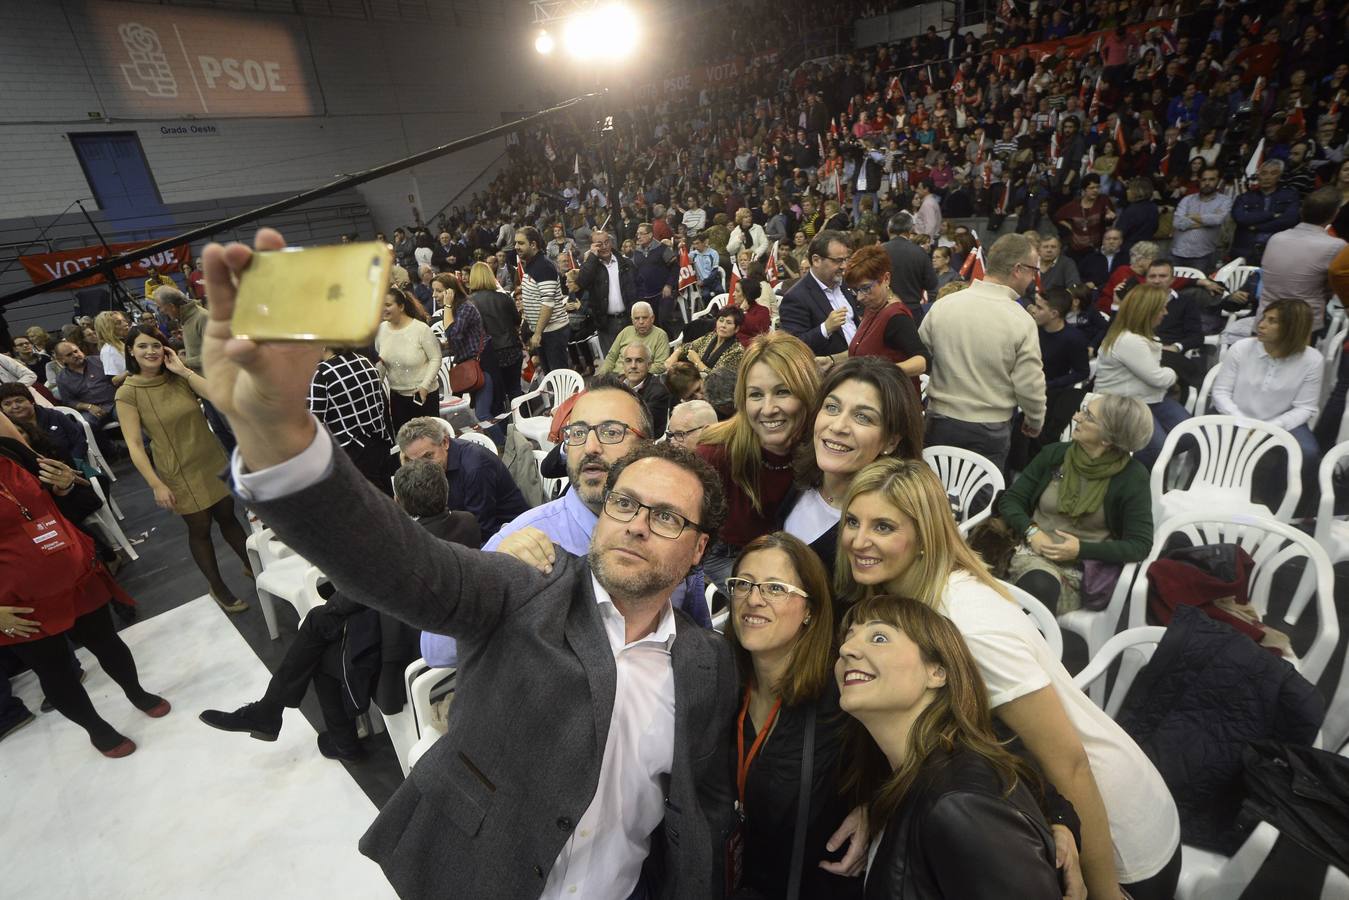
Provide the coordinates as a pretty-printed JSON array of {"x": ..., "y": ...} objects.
[{"x": 164, "y": 577}]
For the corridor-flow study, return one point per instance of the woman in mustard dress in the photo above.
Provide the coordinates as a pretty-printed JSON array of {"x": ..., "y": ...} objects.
[{"x": 159, "y": 399}]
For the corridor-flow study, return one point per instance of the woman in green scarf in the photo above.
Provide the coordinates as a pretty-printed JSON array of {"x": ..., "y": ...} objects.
[{"x": 1083, "y": 507}]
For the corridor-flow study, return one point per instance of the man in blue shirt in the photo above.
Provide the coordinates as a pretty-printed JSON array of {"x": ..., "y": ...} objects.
[
  {"x": 607, "y": 408},
  {"x": 707, "y": 266},
  {"x": 480, "y": 483}
]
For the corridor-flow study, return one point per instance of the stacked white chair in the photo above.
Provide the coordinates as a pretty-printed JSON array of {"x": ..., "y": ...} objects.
[
  {"x": 105, "y": 518},
  {"x": 556, "y": 387},
  {"x": 1228, "y": 450},
  {"x": 425, "y": 690},
  {"x": 1333, "y": 536},
  {"x": 1041, "y": 616},
  {"x": 281, "y": 574},
  {"x": 966, "y": 475},
  {"x": 449, "y": 401},
  {"x": 482, "y": 440},
  {"x": 1189, "y": 272}
]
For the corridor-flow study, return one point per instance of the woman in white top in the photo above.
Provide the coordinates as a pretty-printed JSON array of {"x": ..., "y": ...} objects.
[
  {"x": 897, "y": 536},
  {"x": 1276, "y": 378},
  {"x": 1131, "y": 363},
  {"x": 867, "y": 409},
  {"x": 111, "y": 328},
  {"x": 409, "y": 357}
]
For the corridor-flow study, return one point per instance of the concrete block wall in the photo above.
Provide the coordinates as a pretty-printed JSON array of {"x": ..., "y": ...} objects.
[{"x": 383, "y": 89}]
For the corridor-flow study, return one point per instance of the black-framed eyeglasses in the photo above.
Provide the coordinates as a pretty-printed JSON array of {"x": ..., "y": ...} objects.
[
  {"x": 662, "y": 521},
  {"x": 609, "y": 432},
  {"x": 682, "y": 435},
  {"x": 774, "y": 592},
  {"x": 837, "y": 260},
  {"x": 1029, "y": 266}
]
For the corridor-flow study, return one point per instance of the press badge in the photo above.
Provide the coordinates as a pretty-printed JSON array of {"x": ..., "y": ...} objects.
[{"x": 47, "y": 534}]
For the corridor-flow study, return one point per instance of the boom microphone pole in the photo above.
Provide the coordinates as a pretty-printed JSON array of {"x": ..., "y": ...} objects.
[{"x": 328, "y": 189}]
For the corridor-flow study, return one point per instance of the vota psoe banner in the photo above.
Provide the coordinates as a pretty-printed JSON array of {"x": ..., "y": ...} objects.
[
  {"x": 169, "y": 62},
  {"x": 43, "y": 267}
]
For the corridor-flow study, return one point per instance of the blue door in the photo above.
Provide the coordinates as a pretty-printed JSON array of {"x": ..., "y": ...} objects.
[{"x": 122, "y": 184}]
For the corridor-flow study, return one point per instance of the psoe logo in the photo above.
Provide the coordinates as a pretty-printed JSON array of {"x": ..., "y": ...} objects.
[{"x": 149, "y": 69}]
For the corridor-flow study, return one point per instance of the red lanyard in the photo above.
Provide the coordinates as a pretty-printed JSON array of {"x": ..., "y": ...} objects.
[
  {"x": 9, "y": 495},
  {"x": 743, "y": 762}
]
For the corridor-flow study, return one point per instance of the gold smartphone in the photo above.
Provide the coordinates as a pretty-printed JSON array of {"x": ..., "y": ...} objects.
[{"x": 330, "y": 294}]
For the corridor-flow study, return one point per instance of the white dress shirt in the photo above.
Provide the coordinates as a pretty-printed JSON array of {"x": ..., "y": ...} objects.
[
  {"x": 1283, "y": 392},
  {"x": 615, "y": 289},
  {"x": 603, "y": 857},
  {"x": 838, "y": 300}
]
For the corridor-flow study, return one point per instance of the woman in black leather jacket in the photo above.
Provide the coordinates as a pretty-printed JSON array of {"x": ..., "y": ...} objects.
[{"x": 955, "y": 811}]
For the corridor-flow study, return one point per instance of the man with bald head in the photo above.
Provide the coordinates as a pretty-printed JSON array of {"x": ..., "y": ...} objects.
[
  {"x": 643, "y": 330},
  {"x": 608, "y": 282}
]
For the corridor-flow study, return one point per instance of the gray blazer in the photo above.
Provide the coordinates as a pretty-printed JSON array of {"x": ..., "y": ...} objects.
[{"x": 488, "y": 809}]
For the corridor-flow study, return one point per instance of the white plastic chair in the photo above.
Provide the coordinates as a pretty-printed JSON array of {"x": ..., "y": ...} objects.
[
  {"x": 289, "y": 578},
  {"x": 1200, "y": 405},
  {"x": 552, "y": 487},
  {"x": 404, "y": 732},
  {"x": 1097, "y": 627},
  {"x": 964, "y": 475},
  {"x": 106, "y": 522},
  {"x": 1041, "y": 616},
  {"x": 1224, "y": 273},
  {"x": 482, "y": 440},
  {"x": 712, "y": 307},
  {"x": 1132, "y": 649},
  {"x": 556, "y": 386},
  {"x": 96, "y": 457},
  {"x": 1333, "y": 537},
  {"x": 1229, "y": 448},
  {"x": 1271, "y": 545},
  {"x": 1189, "y": 272},
  {"x": 425, "y": 690}
]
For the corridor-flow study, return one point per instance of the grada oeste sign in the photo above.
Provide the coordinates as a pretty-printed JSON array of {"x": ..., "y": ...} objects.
[{"x": 175, "y": 62}]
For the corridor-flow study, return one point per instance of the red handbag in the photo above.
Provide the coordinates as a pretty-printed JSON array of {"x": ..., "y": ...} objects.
[{"x": 466, "y": 377}]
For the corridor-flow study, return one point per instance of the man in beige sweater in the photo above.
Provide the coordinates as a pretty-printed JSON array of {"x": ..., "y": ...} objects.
[{"x": 986, "y": 357}]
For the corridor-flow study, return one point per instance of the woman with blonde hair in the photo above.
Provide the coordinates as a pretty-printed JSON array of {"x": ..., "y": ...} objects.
[
  {"x": 781, "y": 630},
  {"x": 956, "y": 812},
  {"x": 111, "y": 328},
  {"x": 752, "y": 451},
  {"x": 1131, "y": 363},
  {"x": 501, "y": 320},
  {"x": 897, "y": 536}
]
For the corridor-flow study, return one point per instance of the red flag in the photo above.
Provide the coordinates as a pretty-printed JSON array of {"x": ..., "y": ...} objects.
[
  {"x": 988, "y": 175},
  {"x": 1257, "y": 90},
  {"x": 973, "y": 267},
  {"x": 735, "y": 279},
  {"x": 833, "y": 127},
  {"x": 1095, "y": 109},
  {"x": 1148, "y": 134},
  {"x": 895, "y": 90},
  {"x": 1296, "y": 117},
  {"x": 771, "y": 269},
  {"x": 571, "y": 257},
  {"x": 1119, "y": 137},
  {"x": 687, "y": 277},
  {"x": 1006, "y": 196}
]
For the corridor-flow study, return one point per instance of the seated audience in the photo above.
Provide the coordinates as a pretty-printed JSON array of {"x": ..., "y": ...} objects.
[
  {"x": 888, "y": 329},
  {"x": 898, "y": 537},
  {"x": 864, "y": 411},
  {"x": 14, "y": 372},
  {"x": 1182, "y": 328},
  {"x": 758, "y": 317},
  {"x": 479, "y": 481},
  {"x": 642, "y": 330},
  {"x": 782, "y": 633},
  {"x": 1276, "y": 378},
  {"x": 1099, "y": 265},
  {"x": 1056, "y": 270},
  {"x": 1296, "y": 264},
  {"x": 84, "y": 386},
  {"x": 1126, "y": 278},
  {"x": 718, "y": 349},
  {"x": 49, "y": 432},
  {"x": 683, "y": 382},
  {"x": 350, "y": 653},
  {"x": 1131, "y": 364},
  {"x": 687, "y": 421},
  {"x": 34, "y": 359},
  {"x": 956, "y": 812},
  {"x": 648, "y": 387},
  {"x": 1083, "y": 507},
  {"x": 1086, "y": 318},
  {"x": 752, "y": 451}
]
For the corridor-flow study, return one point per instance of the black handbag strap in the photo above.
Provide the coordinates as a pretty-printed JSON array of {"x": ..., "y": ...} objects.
[{"x": 802, "y": 806}]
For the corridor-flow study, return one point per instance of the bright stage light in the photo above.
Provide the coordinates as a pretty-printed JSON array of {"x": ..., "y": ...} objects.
[
  {"x": 544, "y": 43},
  {"x": 610, "y": 32}
]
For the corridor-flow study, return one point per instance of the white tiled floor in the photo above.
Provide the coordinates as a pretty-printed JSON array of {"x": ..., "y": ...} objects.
[{"x": 193, "y": 812}]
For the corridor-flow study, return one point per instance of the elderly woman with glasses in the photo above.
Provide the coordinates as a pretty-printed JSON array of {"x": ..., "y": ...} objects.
[{"x": 1083, "y": 507}]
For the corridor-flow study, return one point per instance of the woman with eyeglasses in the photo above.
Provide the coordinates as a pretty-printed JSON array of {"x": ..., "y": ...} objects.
[
  {"x": 887, "y": 329},
  {"x": 1083, "y": 508},
  {"x": 782, "y": 631}
]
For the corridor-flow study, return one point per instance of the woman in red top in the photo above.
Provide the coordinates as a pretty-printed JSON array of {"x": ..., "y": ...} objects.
[
  {"x": 1086, "y": 217},
  {"x": 758, "y": 318},
  {"x": 752, "y": 451},
  {"x": 887, "y": 328},
  {"x": 51, "y": 584}
]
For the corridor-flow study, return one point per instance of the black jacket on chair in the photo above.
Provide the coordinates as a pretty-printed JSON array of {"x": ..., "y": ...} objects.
[
  {"x": 594, "y": 281},
  {"x": 956, "y": 836},
  {"x": 803, "y": 310}
]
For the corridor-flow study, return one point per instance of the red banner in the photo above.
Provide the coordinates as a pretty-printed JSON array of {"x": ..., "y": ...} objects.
[
  {"x": 43, "y": 267},
  {"x": 1077, "y": 45}
]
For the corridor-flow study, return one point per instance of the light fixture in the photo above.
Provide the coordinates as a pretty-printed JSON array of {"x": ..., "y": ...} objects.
[
  {"x": 544, "y": 43},
  {"x": 610, "y": 31}
]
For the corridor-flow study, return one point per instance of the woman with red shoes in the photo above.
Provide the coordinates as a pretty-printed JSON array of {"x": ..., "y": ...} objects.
[{"x": 51, "y": 585}]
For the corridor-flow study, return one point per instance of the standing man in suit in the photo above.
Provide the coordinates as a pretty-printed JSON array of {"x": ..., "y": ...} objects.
[
  {"x": 589, "y": 741},
  {"x": 609, "y": 281},
  {"x": 820, "y": 309},
  {"x": 912, "y": 277}
]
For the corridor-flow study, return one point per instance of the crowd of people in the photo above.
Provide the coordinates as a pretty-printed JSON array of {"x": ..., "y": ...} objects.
[{"x": 947, "y": 242}]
